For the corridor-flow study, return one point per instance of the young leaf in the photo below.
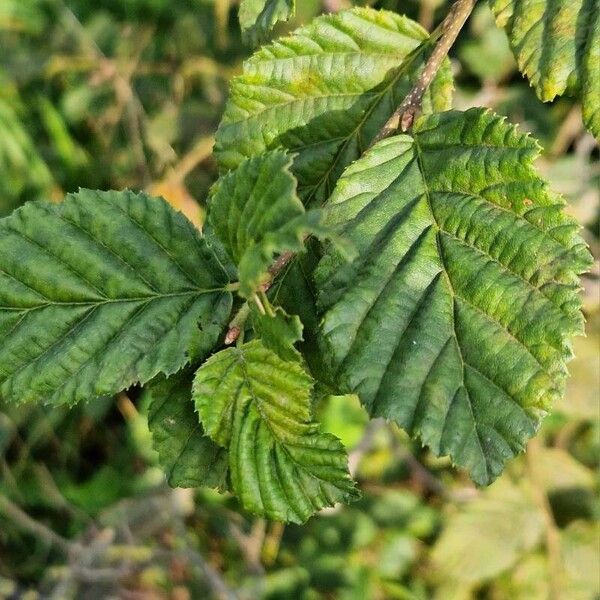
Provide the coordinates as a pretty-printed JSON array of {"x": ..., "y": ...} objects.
[
  {"x": 257, "y": 215},
  {"x": 324, "y": 92},
  {"x": 258, "y": 17},
  {"x": 454, "y": 320},
  {"x": 557, "y": 45},
  {"x": 99, "y": 292},
  {"x": 259, "y": 408},
  {"x": 189, "y": 458},
  {"x": 278, "y": 330}
]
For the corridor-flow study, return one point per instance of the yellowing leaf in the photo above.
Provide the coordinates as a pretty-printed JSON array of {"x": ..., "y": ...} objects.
[
  {"x": 557, "y": 45},
  {"x": 455, "y": 320},
  {"x": 258, "y": 406},
  {"x": 324, "y": 92}
]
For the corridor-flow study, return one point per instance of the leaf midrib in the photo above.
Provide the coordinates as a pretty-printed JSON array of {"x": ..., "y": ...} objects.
[
  {"x": 441, "y": 231},
  {"x": 453, "y": 296},
  {"x": 276, "y": 438},
  {"x": 407, "y": 61},
  {"x": 149, "y": 298},
  {"x": 77, "y": 324}
]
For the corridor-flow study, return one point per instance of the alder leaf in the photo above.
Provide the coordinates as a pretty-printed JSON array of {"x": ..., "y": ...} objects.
[
  {"x": 258, "y": 17},
  {"x": 557, "y": 45},
  {"x": 257, "y": 215},
  {"x": 258, "y": 406},
  {"x": 188, "y": 456},
  {"x": 454, "y": 321},
  {"x": 99, "y": 292},
  {"x": 278, "y": 330},
  {"x": 324, "y": 92}
]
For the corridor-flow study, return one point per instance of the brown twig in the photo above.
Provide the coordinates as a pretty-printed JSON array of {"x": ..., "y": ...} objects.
[
  {"x": 427, "y": 13},
  {"x": 237, "y": 323},
  {"x": 127, "y": 100},
  {"x": 200, "y": 152},
  {"x": 448, "y": 31},
  {"x": 406, "y": 112}
]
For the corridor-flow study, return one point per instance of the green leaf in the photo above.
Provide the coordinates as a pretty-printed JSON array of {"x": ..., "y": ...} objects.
[
  {"x": 259, "y": 408},
  {"x": 294, "y": 291},
  {"x": 99, "y": 292},
  {"x": 258, "y": 17},
  {"x": 557, "y": 45},
  {"x": 324, "y": 92},
  {"x": 208, "y": 330},
  {"x": 188, "y": 456},
  {"x": 278, "y": 330},
  {"x": 454, "y": 321},
  {"x": 257, "y": 215}
]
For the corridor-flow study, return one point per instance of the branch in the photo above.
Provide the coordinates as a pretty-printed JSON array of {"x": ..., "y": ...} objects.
[
  {"x": 39, "y": 530},
  {"x": 447, "y": 32}
]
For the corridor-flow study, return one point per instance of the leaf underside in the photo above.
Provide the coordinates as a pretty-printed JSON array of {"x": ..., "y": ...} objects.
[
  {"x": 257, "y": 215},
  {"x": 324, "y": 92},
  {"x": 99, "y": 292},
  {"x": 454, "y": 320},
  {"x": 259, "y": 407},
  {"x": 258, "y": 17},
  {"x": 557, "y": 45},
  {"x": 188, "y": 456}
]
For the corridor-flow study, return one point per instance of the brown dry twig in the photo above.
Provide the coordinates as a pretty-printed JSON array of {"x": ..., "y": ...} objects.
[{"x": 448, "y": 31}]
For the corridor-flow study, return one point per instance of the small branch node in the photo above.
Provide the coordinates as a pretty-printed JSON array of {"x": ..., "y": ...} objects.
[{"x": 447, "y": 33}]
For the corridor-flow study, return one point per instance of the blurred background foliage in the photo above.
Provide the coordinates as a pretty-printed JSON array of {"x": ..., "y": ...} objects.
[{"x": 128, "y": 93}]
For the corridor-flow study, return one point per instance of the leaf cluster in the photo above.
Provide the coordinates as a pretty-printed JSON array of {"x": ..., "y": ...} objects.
[{"x": 440, "y": 285}]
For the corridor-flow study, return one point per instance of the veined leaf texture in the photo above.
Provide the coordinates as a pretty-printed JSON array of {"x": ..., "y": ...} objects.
[{"x": 455, "y": 319}]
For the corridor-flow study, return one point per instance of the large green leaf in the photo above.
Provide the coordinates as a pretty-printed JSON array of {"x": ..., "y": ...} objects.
[
  {"x": 99, "y": 292},
  {"x": 454, "y": 320},
  {"x": 258, "y": 17},
  {"x": 257, "y": 215},
  {"x": 325, "y": 92},
  {"x": 557, "y": 45},
  {"x": 189, "y": 458},
  {"x": 259, "y": 407}
]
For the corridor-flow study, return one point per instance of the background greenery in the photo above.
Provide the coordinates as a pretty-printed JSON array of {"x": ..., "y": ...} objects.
[{"x": 128, "y": 93}]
